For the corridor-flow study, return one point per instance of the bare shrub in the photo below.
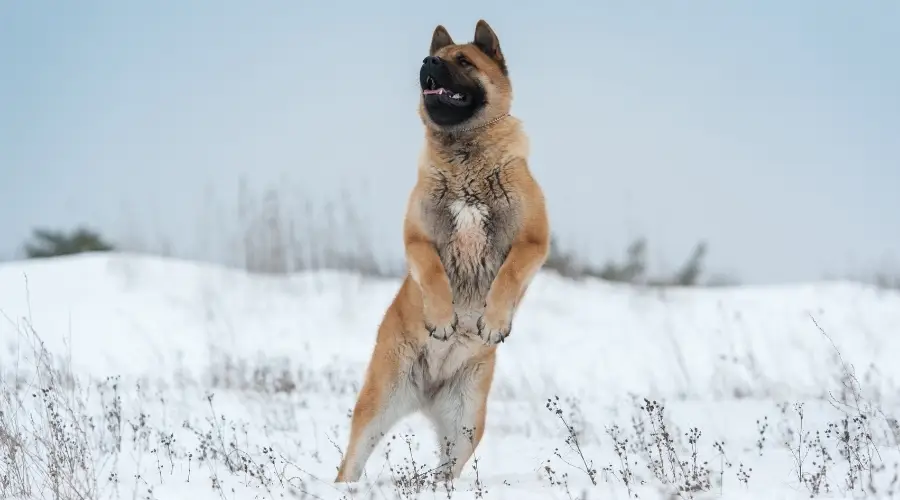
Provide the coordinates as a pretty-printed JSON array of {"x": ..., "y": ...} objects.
[
  {"x": 887, "y": 280},
  {"x": 839, "y": 453},
  {"x": 280, "y": 239},
  {"x": 572, "y": 437},
  {"x": 265, "y": 240},
  {"x": 55, "y": 444},
  {"x": 273, "y": 375},
  {"x": 844, "y": 456},
  {"x": 633, "y": 269},
  {"x": 562, "y": 262},
  {"x": 46, "y": 444},
  {"x": 884, "y": 276}
]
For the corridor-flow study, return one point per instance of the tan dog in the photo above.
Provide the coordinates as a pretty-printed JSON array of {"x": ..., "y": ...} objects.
[{"x": 475, "y": 233}]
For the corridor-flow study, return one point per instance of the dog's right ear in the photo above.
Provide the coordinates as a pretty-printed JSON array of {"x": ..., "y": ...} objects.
[{"x": 439, "y": 39}]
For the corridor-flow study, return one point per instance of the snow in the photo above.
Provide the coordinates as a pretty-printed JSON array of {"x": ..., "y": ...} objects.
[{"x": 203, "y": 349}]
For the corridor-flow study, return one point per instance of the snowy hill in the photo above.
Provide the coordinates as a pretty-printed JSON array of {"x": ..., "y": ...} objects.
[
  {"x": 286, "y": 355},
  {"x": 132, "y": 315}
]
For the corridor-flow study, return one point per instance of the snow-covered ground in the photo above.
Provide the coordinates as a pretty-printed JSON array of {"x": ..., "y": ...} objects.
[{"x": 172, "y": 379}]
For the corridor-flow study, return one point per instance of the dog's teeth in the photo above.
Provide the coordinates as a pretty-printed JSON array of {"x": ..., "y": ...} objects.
[{"x": 457, "y": 96}]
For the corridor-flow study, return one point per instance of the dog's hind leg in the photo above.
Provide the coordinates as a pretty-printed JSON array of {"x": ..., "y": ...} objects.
[
  {"x": 458, "y": 412},
  {"x": 384, "y": 399}
]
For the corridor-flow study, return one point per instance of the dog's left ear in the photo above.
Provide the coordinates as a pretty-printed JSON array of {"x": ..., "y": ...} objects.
[{"x": 487, "y": 41}]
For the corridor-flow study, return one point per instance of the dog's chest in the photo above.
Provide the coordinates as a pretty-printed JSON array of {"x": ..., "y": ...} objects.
[{"x": 473, "y": 222}]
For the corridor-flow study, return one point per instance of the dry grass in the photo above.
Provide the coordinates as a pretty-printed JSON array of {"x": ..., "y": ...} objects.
[
  {"x": 842, "y": 455},
  {"x": 63, "y": 437}
]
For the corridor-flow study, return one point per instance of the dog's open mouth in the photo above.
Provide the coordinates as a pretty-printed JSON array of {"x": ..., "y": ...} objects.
[{"x": 443, "y": 94}]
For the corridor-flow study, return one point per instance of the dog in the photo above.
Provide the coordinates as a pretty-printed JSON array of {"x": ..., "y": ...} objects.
[{"x": 475, "y": 233}]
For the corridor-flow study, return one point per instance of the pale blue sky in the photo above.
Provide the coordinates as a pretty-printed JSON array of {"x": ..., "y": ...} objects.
[{"x": 770, "y": 128}]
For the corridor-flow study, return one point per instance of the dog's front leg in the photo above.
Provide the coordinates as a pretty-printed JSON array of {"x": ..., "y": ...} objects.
[
  {"x": 428, "y": 272},
  {"x": 526, "y": 256}
]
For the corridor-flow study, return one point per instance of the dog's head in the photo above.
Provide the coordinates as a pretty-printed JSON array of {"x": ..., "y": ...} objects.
[{"x": 464, "y": 86}]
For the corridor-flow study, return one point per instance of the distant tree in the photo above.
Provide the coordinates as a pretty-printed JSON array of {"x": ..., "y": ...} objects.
[
  {"x": 722, "y": 279},
  {"x": 690, "y": 271},
  {"x": 887, "y": 281},
  {"x": 634, "y": 267},
  {"x": 50, "y": 243},
  {"x": 561, "y": 261}
]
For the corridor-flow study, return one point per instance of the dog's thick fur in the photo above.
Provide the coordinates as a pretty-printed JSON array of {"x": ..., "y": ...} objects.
[{"x": 475, "y": 233}]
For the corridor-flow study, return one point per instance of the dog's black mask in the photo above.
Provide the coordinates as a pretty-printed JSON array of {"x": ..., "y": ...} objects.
[{"x": 451, "y": 96}]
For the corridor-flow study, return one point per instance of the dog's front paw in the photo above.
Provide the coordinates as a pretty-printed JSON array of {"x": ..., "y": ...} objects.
[
  {"x": 442, "y": 331},
  {"x": 494, "y": 327},
  {"x": 440, "y": 322}
]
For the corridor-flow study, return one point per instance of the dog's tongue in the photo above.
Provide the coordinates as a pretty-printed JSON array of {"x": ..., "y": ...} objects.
[{"x": 433, "y": 92}]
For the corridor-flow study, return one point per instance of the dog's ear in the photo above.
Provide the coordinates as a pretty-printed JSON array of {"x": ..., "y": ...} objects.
[
  {"x": 439, "y": 39},
  {"x": 487, "y": 41}
]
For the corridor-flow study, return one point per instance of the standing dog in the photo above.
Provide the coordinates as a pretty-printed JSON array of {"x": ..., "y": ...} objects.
[{"x": 475, "y": 233}]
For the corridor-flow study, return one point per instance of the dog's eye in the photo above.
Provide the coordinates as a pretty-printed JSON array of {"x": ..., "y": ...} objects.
[{"x": 465, "y": 63}]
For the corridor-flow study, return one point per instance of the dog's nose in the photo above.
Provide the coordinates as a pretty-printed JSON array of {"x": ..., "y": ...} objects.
[{"x": 432, "y": 61}]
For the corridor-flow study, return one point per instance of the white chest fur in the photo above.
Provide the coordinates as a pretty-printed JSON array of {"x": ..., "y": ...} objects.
[{"x": 469, "y": 220}]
